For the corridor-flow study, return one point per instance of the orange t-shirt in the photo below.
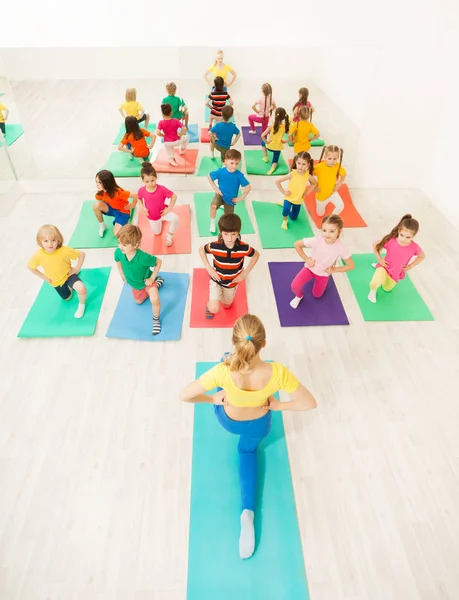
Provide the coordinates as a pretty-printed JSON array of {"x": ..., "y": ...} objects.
[
  {"x": 139, "y": 146},
  {"x": 118, "y": 202}
]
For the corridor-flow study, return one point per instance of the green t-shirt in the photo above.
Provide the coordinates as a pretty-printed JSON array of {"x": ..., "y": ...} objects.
[
  {"x": 137, "y": 269},
  {"x": 175, "y": 103}
]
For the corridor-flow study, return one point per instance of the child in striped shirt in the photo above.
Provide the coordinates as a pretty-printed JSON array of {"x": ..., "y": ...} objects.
[
  {"x": 228, "y": 270},
  {"x": 217, "y": 100}
]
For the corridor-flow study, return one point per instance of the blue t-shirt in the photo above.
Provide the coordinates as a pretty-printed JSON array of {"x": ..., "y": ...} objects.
[
  {"x": 224, "y": 132},
  {"x": 229, "y": 183}
]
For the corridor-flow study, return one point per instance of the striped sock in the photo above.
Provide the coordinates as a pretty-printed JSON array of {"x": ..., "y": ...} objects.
[
  {"x": 159, "y": 282},
  {"x": 156, "y": 326},
  {"x": 209, "y": 315}
]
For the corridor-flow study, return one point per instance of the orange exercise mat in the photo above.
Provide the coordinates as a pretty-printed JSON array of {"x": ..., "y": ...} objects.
[
  {"x": 156, "y": 244},
  {"x": 200, "y": 296},
  {"x": 186, "y": 162},
  {"x": 205, "y": 138},
  {"x": 351, "y": 217}
]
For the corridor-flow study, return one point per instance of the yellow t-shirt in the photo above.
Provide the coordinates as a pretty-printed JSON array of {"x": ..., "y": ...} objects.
[
  {"x": 297, "y": 185},
  {"x": 275, "y": 139},
  {"x": 220, "y": 376},
  {"x": 301, "y": 132},
  {"x": 326, "y": 179},
  {"x": 220, "y": 72},
  {"x": 132, "y": 108},
  {"x": 56, "y": 265},
  {"x": 2, "y": 107}
]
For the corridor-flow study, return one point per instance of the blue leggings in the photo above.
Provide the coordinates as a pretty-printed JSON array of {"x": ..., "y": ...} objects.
[
  {"x": 276, "y": 153},
  {"x": 291, "y": 210}
]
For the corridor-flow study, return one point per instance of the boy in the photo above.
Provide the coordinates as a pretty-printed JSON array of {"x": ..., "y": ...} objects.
[
  {"x": 179, "y": 108},
  {"x": 224, "y": 132},
  {"x": 229, "y": 180},
  {"x": 229, "y": 253},
  {"x": 139, "y": 270}
]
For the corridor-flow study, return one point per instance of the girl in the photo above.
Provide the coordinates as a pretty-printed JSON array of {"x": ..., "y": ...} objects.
[
  {"x": 243, "y": 406},
  {"x": 134, "y": 142},
  {"x": 54, "y": 259},
  {"x": 4, "y": 112},
  {"x": 326, "y": 249},
  {"x": 112, "y": 201},
  {"x": 400, "y": 249},
  {"x": 276, "y": 134},
  {"x": 219, "y": 69},
  {"x": 218, "y": 97},
  {"x": 153, "y": 197},
  {"x": 169, "y": 128},
  {"x": 263, "y": 107},
  {"x": 298, "y": 179},
  {"x": 301, "y": 130},
  {"x": 330, "y": 177},
  {"x": 228, "y": 270},
  {"x": 132, "y": 108},
  {"x": 303, "y": 95}
]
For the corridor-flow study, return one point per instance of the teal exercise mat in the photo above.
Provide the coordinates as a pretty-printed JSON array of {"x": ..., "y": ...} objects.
[
  {"x": 276, "y": 570},
  {"x": 121, "y": 165},
  {"x": 13, "y": 132},
  {"x": 254, "y": 164},
  {"x": 269, "y": 220},
  {"x": 403, "y": 303},
  {"x": 50, "y": 316},
  {"x": 121, "y": 133},
  {"x": 202, "y": 201},
  {"x": 86, "y": 234}
]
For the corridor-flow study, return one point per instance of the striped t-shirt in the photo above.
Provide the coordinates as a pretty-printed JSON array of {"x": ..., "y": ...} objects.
[
  {"x": 218, "y": 100},
  {"x": 229, "y": 262}
]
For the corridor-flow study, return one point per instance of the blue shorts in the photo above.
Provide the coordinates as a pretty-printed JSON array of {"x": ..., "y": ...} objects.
[
  {"x": 65, "y": 290},
  {"x": 120, "y": 217}
]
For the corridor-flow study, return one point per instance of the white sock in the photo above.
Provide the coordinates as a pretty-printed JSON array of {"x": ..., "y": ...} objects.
[
  {"x": 80, "y": 311},
  {"x": 374, "y": 265},
  {"x": 169, "y": 239},
  {"x": 247, "y": 537},
  {"x": 294, "y": 303},
  {"x": 372, "y": 296},
  {"x": 212, "y": 155},
  {"x": 212, "y": 227},
  {"x": 102, "y": 228}
]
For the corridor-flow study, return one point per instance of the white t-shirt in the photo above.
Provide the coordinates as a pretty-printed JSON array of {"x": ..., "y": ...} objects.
[{"x": 324, "y": 254}]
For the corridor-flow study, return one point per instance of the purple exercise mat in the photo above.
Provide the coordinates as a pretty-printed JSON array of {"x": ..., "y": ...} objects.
[
  {"x": 251, "y": 139},
  {"x": 327, "y": 310}
]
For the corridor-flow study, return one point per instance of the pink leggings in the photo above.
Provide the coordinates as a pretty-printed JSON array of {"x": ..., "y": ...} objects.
[
  {"x": 256, "y": 119},
  {"x": 305, "y": 275}
]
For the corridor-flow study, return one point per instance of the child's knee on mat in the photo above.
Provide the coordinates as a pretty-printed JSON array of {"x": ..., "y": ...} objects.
[{"x": 213, "y": 306}]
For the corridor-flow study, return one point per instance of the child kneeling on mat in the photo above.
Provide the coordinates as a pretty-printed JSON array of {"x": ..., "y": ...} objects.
[
  {"x": 330, "y": 177},
  {"x": 132, "y": 108},
  {"x": 139, "y": 270},
  {"x": 153, "y": 197},
  {"x": 179, "y": 108},
  {"x": 54, "y": 258},
  {"x": 134, "y": 142},
  {"x": 400, "y": 249},
  {"x": 229, "y": 180},
  {"x": 222, "y": 134},
  {"x": 275, "y": 132},
  {"x": 228, "y": 270},
  {"x": 112, "y": 201},
  {"x": 168, "y": 128},
  {"x": 4, "y": 112},
  {"x": 326, "y": 249}
]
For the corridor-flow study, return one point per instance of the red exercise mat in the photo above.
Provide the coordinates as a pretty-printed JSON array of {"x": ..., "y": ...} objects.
[
  {"x": 156, "y": 244},
  {"x": 186, "y": 162},
  {"x": 350, "y": 215},
  {"x": 205, "y": 138}
]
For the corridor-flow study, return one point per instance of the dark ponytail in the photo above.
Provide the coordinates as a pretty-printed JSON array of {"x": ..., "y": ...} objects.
[{"x": 406, "y": 222}]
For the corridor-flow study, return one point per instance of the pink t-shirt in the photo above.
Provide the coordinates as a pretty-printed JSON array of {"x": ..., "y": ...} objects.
[
  {"x": 169, "y": 127},
  {"x": 155, "y": 201},
  {"x": 325, "y": 254},
  {"x": 264, "y": 105},
  {"x": 398, "y": 257}
]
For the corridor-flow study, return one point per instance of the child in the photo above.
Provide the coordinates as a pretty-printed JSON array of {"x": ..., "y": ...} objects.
[
  {"x": 303, "y": 95},
  {"x": 153, "y": 198},
  {"x": 299, "y": 178},
  {"x": 134, "y": 142},
  {"x": 169, "y": 128},
  {"x": 132, "y": 108},
  {"x": 330, "y": 177},
  {"x": 218, "y": 97},
  {"x": 229, "y": 180},
  {"x": 276, "y": 133},
  {"x": 301, "y": 130},
  {"x": 227, "y": 271},
  {"x": 179, "y": 108},
  {"x": 112, "y": 201},
  {"x": 4, "y": 112},
  {"x": 139, "y": 270},
  {"x": 54, "y": 259},
  {"x": 263, "y": 107},
  {"x": 224, "y": 132},
  {"x": 219, "y": 69},
  {"x": 400, "y": 249},
  {"x": 326, "y": 249}
]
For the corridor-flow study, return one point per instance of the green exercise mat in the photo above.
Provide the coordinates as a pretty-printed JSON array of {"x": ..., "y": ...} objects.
[
  {"x": 269, "y": 220},
  {"x": 151, "y": 128},
  {"x": 317, "y": 142},
  {"x": 202, "y": 202},
  {"x": 403, "y": 303},
  {"x": 211, "y": 164},
  {"x": 50, "y": 316},
  {"x": 255, "y": 165},
  {"x": 121, "y": 165},
  {"x": 215, "y": 571},
  {"x": 13, "y": 132},
  {"x": 86, "y": 234}
]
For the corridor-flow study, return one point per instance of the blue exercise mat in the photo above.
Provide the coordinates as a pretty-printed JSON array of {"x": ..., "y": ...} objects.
[
  {"x": 276, "y": 570},
  {"x": 192, "y": 131},
  {"x": 133, "y": 321}
]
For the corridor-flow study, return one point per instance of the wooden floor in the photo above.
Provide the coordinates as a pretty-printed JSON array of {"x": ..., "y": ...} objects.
[{"x": 95, "y": 447}]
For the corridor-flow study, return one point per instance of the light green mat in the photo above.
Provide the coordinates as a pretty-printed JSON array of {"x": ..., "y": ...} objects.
[
  {"x": 202, "y": 202},
  {"x": 255, "y": 166},
  {"x": 151, "y": 128},
  {"x": 121, "y": 165},
  {"x": 403, "y": 303},
  {"x": 50, "y": 316},
  {"x": 269, "y": 220},
  {"x": 317, "y": 142},
  {"x": 13, "y": 132},
  {"x": 215, "y": 571},
  {"x": 86, "y": 234},
  {"x": 211, "y": 164}
]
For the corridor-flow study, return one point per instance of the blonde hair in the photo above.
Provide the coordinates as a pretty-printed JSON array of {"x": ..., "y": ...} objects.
[
  {"x": 46, "y": 230},
  {"x": 129, "y": 235},
  {"x": 249, "y": 337},
  {"x": 171, "y": 88},
  {"x": 131, "y": 95},
  {"x": 217, "y": 53}
]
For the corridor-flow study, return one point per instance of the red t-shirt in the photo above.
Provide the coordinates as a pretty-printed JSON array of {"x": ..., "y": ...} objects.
[{"x": 118, "y": 202}]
